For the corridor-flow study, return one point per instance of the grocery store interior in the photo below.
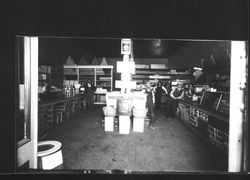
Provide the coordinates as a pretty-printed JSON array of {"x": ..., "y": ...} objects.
[{"x": 131, "y": 104}]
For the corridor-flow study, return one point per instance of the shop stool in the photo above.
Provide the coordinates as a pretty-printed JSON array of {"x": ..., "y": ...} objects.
[
  {"x": 59, "y": 116},
  {"x": 63, "y": 109},
  {"x": 49, "y": 114},
  {"x": 69, "y": 108}
]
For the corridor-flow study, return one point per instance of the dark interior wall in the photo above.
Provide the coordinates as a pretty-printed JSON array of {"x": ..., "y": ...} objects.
[
  {"x": 191, "y": 54},
  {"x": 55, "y": 60}
]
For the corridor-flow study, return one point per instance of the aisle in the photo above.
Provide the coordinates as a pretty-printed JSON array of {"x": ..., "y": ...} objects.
[{"x": 168, "y": 146}]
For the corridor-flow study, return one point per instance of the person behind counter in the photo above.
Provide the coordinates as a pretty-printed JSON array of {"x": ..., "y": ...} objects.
[
  {"x": 176, "y": 94},
  {"x": 89, "y": 91},
  {"x": 150, "y": 102},
  {"x": 187, "y": 88},
  {"x": 158, "y": 90}
]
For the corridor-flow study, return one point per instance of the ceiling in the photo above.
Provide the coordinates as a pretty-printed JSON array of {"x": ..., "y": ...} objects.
[
  {"x": 180, "y": 53},
  {"x": 51, "y": 48}
]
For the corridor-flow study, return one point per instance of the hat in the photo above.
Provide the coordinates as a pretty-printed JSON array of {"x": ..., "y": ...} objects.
[
  {"x": 148, "y": 84},
  {"x": 179, "y": 82}
]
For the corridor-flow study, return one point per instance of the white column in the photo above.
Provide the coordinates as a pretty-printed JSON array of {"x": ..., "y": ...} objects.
[
  {"x": 237, "y": 81},
  {"x": 34, "y": 98}
]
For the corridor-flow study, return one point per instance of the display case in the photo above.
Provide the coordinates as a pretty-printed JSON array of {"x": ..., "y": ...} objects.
[
  {"x": 209, "y": 118},
  {"x": 216, "y": 101}
]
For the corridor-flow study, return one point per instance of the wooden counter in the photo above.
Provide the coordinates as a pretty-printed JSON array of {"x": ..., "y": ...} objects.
[{"x": 59, "y": 100}]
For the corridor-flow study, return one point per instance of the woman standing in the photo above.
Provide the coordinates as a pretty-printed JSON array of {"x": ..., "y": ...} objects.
[
  {"x": 176, "y": 94},
  {"x": 158, "y": 90}
]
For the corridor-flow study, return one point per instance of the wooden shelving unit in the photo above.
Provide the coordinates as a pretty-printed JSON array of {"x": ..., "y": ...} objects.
[
  {"x": 142, "y": 75},
  {"x": 102, "y": 76}
]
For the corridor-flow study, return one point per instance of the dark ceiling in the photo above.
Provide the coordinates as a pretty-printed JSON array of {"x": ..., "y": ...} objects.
[
  {"x": 178, "y": 19},
  {"x": 51, "y": 48}
]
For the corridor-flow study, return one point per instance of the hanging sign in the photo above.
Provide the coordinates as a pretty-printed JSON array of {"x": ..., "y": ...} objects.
[
  {"x": 126, "y": 67},
  {"x": 126, "y": 46}
]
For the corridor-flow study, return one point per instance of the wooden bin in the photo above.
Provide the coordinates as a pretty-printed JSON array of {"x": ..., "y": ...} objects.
[
  {"x": 109, "y": 123},
  {"x": 138, "y": 124},
  {"x": 124, "y": 124}
]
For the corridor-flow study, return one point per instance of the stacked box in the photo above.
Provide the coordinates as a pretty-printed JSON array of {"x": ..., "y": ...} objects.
[
  {"x": 109, "y": 124},
  {"x": 138, "y": 124},
  {"x": 124, "y": 124}
]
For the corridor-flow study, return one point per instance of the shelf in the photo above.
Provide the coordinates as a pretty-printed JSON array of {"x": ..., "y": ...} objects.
[
  {"x": 88, "y": 66},
  {"x": 103, "y": 80},
  {"x": 166, "y": 69},
  {"x": 103, "y": 86},
  {"x": 103, "y": 93},
  {"x": 221, "y": 80},
  {"x": 44, "y": 73},
  {"x": 170, "y": 74},
  {"x": 159, "y": 78},
  {"x": 70, "y": 74},
  {"x": 99, "y": 102}
]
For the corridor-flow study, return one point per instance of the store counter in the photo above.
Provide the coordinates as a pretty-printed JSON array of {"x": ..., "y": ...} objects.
[
  {"x": 57, "y": 100},
  {"x": 209, "y": 119}
]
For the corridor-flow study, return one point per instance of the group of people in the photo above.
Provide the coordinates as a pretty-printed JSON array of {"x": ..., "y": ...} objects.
[{"x": 154, "y": 95}]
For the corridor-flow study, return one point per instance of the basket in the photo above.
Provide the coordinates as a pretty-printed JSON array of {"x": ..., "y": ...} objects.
[
  {"x": 140, "y": 113},
  {"x": 109, "y": 111}
]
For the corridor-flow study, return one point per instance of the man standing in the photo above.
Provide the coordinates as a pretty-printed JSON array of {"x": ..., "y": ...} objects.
[
  {"x": 150, "y": 103},
  {"x": 176, "y": 94},
  {"x": 159, "y": 89},
  {"x": 89, "y": 92}
]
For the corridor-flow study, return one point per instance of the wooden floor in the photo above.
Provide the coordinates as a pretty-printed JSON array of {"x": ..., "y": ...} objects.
[{"x": 169, "y": 146}]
